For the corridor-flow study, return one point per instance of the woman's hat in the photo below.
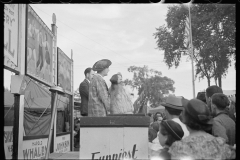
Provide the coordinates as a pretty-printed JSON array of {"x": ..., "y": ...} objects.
[
  {"x": 175, "y": 102},
  {"x": 173, "y": 128},
  {"x": 114, "y": 79},
  {"x": 101, "y": 65},
  {"x": 199, "y": 111}
]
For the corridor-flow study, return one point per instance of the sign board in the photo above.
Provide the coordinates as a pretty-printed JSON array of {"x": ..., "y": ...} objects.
[
  {"x": 64, "y": 75},
  {"x": 63, "y": 144},
  {"x": 11, "y": 27},
  {"x": 39, "y": 48},
  {"x": 8, "y": 141},
  {"x": 113, "y": 138},
  {"x": 34, "y": 149},
  {"x": 113, "y": 143}
]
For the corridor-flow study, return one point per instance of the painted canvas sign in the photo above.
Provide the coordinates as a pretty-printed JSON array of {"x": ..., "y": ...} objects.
[
  {"x": 39, "y": 48},
  {"x": 34, "y": 149},
  {"x": 11, "y": 35},
  {"x": 64, "y": 70},
  {"x": 8, "y": 141},
  {"x": 63, "y": 144}
]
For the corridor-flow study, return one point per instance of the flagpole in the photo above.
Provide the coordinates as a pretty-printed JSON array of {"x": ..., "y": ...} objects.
[{"x": 190, "y": 27}]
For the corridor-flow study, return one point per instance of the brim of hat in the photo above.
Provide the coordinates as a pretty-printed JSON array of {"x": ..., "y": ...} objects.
[
  {"x": 172, "y": 106},
  {"x": 101, "y": 69}
]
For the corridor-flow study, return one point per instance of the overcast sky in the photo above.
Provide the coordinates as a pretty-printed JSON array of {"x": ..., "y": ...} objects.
[{"x": 122, "y": 33}]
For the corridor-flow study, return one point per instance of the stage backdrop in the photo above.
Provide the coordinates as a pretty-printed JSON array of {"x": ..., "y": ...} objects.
[
  {"x": 11, "y": 35},
  {"x": 39, "y": 48},
  {"x": 64, "y": 64}
]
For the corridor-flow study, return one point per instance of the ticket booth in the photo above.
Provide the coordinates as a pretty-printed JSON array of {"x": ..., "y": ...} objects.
[{"x": 114, "y": 137}]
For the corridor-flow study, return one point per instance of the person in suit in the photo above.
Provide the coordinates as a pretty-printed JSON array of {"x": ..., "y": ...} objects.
[
  {"x": 84, "y": 91},
  {"x": 99, "y": 98}
]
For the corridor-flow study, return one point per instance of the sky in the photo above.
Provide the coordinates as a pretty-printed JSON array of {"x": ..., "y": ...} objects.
[{"x": 122, "y": 33}]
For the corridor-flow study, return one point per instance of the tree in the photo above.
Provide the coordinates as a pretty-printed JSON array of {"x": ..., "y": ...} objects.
[
  {"x": 213, "y": 35},
  {"x": 151, "y": 83}
]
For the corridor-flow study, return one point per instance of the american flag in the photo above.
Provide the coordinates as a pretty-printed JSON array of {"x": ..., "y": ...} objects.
[{"x": 187, "y": 33}]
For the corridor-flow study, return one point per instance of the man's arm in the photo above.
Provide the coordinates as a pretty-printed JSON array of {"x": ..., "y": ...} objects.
[
  {"x": 84, "y": 90},
  {"x": 218, "y": 130}
]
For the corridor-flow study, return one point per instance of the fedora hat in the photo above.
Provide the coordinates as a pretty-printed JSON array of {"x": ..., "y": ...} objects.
[
  {"x": 175, "y": 102},
  {"x": 199, "y": 111},
  {"x": 101, "y": 65}
]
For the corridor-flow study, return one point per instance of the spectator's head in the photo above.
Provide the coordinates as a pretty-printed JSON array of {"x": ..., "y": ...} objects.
[
  {"x": 201, "y": 96},
  {"x": 88, "y": 73},
  {"x": 102, "y": 66},
  {"x": 210, "y": 91},
  {"x": 169, "y": 132},
  {"x": 219, "y": 102},
  {"x": 155, "y": 117},
  {"x": 197, "y": 116},
  {"x": 152, "y": 134},
  {"x": 174, "y": 106}
]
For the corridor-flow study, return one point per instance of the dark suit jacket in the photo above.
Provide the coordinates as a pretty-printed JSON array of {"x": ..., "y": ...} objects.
[{"x": 84, "y": 91}]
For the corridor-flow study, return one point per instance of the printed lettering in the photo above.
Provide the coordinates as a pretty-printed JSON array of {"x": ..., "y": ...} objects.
[
  {"x": 7, "y": 45},
  {"x": 133, "y": 152},
  {"x": 115, "y": 157},
  {"x": 93, "y": 154}
]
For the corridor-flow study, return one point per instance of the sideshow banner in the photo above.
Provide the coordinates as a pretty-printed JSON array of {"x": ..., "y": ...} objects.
[
  {"x": 63, "y": 144},
  {"x": 34, "y": 149},
  {"x": 39, "y": 48},
  {"x": 8, "y": 141},
  {"x": 11, "y": 35},
  {"x": 64, "y": 70}
]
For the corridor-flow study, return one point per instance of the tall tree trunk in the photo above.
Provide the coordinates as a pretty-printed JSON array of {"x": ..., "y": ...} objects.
[
  {"x": 220, "y": 81},
  {"x": 215, "y": 81},
  {"x": 208, "y": 80}
]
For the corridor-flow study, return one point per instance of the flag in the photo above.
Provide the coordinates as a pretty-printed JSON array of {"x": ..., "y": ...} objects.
[{"x": 187, "y": 33}]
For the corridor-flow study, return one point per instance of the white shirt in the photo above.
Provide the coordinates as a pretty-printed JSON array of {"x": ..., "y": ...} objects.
[
  {"x": 184, "y": 128},
  {"x": 87, "y": 80}
]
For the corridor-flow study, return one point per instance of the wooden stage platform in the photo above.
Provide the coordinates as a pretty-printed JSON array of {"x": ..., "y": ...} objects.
[{"x": 68, "y": 155}]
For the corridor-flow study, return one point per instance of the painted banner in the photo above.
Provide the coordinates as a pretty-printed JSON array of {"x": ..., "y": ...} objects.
[
  {"x": 11, "y": 35},
  {"x": 63, "y": 144},
  {"x": 8, "y": 141},
  {"x": 64, "y": 70},
  {"x": 34, "y": 149},
  {"x": 113, "y": 143},
  {"x": 39, "y": 48}
]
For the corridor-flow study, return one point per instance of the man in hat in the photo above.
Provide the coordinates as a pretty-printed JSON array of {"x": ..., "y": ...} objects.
[
  {"x": 173, "y": 108},
  {"x": 99, "y": 99},
  {"x": 84, "y": 91}
]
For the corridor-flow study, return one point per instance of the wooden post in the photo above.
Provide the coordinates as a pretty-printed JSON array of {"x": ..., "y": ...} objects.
[
  {"x": 19, "y": 99},
  {"x": 54, "y": 31},
  {"x": 72, "y": 108}
]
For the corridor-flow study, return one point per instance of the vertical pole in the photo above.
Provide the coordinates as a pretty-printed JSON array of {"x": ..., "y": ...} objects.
[
  {"x": 19, "y": 99},
  {"x": 51, "y": 125},
  {"x": 16, "y": 126},
  {"x": 72, "y": 108},
  {"x": 190, "y": 27}
]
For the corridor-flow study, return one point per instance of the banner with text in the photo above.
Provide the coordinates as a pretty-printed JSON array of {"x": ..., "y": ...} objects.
[
  {"x": 63, "y": 144},
  {"x": 8, "y": 141},
  {"x": 11, "y": 35},
  {"x": 113, "y": 143},
  {"x": 34, "y": 149}
]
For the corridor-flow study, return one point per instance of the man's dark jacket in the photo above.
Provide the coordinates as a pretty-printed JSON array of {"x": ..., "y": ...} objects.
[{"x": 84, "y": 91}]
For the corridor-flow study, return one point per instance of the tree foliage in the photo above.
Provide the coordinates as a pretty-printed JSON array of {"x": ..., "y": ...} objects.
[
  {"x": 213, "y": 36},
  {"x": 151, "y": 82}
]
